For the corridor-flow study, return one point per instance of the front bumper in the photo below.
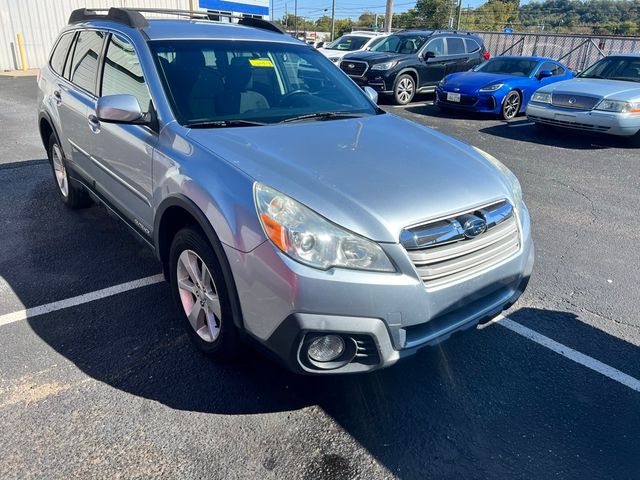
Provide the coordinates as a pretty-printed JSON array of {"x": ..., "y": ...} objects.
[
  {"x": 622, "y": 124},
  {"x": 477, "y": 102},
  {"x": 390, "y": 316},
  {"x": 375, "y": 79}
]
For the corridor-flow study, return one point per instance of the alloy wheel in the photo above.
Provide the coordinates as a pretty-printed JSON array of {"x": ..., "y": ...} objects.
[
  {"x": 511, "y": 105},
  {"x": 199, "y": 296},
  {"x": 405, "y": 90},
  {"x": 60, "y": 170}
]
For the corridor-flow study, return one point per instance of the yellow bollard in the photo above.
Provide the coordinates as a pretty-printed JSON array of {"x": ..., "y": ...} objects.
[{"x": 23, "y": 55}]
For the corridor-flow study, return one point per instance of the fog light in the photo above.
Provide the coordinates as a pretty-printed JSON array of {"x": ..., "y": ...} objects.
[{"x": 326, "y": 348}]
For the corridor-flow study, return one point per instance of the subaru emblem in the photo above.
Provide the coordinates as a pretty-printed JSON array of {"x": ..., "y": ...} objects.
[
  {"x": 474, "y": 226},
  {"x": 351, "y": 65}
]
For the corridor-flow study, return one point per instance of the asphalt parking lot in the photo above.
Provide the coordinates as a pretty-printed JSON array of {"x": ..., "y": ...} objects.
[{"x": 108, "y": 386}]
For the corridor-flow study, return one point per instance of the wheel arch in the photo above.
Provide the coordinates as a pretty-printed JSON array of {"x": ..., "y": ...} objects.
[
  {"x": 176, "y": 212},
  {"x": 46, "y": 128},
  {"x": 410, "y": 71}
]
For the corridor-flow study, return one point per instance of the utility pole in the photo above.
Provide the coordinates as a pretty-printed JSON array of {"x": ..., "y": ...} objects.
[
  {"x": 459, "y": 14},
  {"x": 333, "y": 20},
  {"x": 388, "y": 16},
  {"x": 295, "y": 14},
  {"x": 286, "y": 17}
]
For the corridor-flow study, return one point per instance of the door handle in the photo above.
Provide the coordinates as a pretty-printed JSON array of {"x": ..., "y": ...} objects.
[
  {"x": 57, "y": 97},
  {"x": 94, "y": 123}
]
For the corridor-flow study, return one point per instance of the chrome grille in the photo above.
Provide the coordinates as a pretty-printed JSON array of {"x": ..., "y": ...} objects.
[
  {"x": 577, "y": 102},
  {"x": 354, "y": 68},
  {"x": 442, "y": 254}
]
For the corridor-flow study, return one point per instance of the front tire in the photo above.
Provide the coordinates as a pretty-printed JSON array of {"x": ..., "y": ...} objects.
[
  {"x": 72, "y": 196},
  {"x": 511, "y": 105},
  {"x": 404, "y": 90},
  {"x": 202, "y": 295}
]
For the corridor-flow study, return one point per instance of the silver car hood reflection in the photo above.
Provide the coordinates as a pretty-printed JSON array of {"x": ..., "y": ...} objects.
[
  {"x": 373, "y": 175},
  {"x": 599, "y": 87}
]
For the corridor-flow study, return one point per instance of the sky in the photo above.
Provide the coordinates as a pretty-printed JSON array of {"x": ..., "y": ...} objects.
[{"x": 314, "y": 9}]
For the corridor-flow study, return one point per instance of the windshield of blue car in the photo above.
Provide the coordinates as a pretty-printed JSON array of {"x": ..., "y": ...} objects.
[
  {"x": 406, "y": 44},
  {"x": 261, "y": 82},
  {"x": 347, "y": 43},
  {"x": 508, "y": 66},
  {"x": 626, "y": 69}
]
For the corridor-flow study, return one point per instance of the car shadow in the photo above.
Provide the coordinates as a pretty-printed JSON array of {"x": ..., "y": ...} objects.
[
  {"x": 556, "y": 137},
  {"x": 485, "y": 404}
]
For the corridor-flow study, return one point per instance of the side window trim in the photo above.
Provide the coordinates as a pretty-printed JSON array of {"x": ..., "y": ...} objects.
[
  {"x": 66, "y": 55},
  {"x": 67, "y": 62}
]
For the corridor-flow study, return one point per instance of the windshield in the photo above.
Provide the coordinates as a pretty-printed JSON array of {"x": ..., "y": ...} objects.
[
  {"x": 400, "y": 44},
  {"x": 263, "y": 82},
  {"x": 347, "y": 43},
  {"x": 508, "y": 66},
  {"x": 615, "y": 68}
]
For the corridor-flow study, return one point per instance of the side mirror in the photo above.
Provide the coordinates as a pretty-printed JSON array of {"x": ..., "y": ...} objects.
[
  {"x": 429, "y": 54},
  {"x": 372, "y": 94},
  {"x": 544, "y": 74},
  {"x": 320, "y": 45},
  {"x": 119, "y": 109}
]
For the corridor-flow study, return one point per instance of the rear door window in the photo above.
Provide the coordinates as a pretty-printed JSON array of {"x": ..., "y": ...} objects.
[
  {"x": 84, "y": 65},
  {"x": 122, "y": 72},
  {"x": 455, "y": 46},
  {"x": 60, "y": 51}
]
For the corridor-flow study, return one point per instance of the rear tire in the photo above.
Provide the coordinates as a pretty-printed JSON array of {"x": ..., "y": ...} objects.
[
  {"x": 72, "y": 196},
  {"x": 511, "y": 105},
  {"x": 201, "y": 294},
  {"x": 404, "y": 90}
]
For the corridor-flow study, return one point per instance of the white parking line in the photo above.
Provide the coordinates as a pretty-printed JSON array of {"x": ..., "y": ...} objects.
[
  {"x": 80, "y": 299},
  {"x": 526, "y": 124},
  {"x": 571, "y": 354}
]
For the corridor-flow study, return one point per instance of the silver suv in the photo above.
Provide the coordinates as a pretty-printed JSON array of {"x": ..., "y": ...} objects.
[{"x": 283, "y": 204}]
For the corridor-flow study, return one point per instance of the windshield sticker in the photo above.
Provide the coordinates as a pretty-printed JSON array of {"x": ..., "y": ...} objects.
[{"x": 261, "y": 62}]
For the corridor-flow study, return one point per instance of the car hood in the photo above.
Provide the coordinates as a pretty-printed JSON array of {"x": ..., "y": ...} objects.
[
  {"x": 374, "y": 57},
  {"x": 373, "y": 175},
  {"x": 473, "y": 81},
  {"x": 614, "y": 89},
  {"x": 335, "y": 53}
]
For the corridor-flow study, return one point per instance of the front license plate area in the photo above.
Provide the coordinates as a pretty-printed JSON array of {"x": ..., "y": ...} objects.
[
  {"x": 453, "y": 97},
  {"x": 565, "y": 118}
]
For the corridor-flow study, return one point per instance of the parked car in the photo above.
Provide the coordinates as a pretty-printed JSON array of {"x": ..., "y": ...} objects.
[
  {"x": 604, "y": 98},
  {"x": 413, "y": 61},
  {"x": 502, "y": 85},
  {"x": 354, "y": 41},
  {"x": 270, "y": 188}
]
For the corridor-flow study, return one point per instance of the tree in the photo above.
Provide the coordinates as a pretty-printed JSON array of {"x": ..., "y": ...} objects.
[
  {"x": 435, "y": 13},
  {"x": 323, "y": 24}
]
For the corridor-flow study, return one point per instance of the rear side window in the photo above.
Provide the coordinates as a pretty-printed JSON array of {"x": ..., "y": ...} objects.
[
  {"x": 122, "y": 72},
  {"x": 554, "y": 68},
  {"x": 59, "y": 54},
  {"x": 472, "y": 45},
  {"x": 84, "y": 65},
  {"x": 455, "y": 46}
]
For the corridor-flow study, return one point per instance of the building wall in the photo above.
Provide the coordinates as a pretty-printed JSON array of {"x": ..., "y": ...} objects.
[{"x": 39, "y": 21}]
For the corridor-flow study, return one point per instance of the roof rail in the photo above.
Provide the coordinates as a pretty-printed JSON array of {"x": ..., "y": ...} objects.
[{"x": 133, "y": 17}]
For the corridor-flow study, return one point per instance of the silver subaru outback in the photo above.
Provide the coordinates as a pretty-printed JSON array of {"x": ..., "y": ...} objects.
[{"x": 284, "y": 205}]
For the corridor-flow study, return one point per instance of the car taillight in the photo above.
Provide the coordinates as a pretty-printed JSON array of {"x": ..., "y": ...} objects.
[{"x": 486, "y": 55}]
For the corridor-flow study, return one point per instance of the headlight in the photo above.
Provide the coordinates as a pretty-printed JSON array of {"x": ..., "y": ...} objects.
[
  {"x": 307, "y": 237},
  {"x": 492, "y": 88},
  {"x": 618, "y": 106},
  {"x": 385, "y": 65},
  {"x": 442, "y": 82},
  {"x": 541, "y": 97},
  {"x": 514, "y": 183}
]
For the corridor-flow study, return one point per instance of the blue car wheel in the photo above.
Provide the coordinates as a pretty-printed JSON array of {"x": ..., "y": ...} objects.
[{"x": 511, "y": 105}]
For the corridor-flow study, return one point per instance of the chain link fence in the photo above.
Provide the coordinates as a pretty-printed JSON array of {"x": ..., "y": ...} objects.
[{"x": 575, "y": 51}]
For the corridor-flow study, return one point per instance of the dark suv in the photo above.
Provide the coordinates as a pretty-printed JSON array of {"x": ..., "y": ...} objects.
[{"x": 414, "y": 61}]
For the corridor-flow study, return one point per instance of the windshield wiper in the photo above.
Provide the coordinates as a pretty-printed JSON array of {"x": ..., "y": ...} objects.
[
  {"x": 324, "y": 116},
  {"x": 224, "y": 124}
]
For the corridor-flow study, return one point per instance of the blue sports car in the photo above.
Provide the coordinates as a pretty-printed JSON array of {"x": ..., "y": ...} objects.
[{"x": 502, "y": 85}]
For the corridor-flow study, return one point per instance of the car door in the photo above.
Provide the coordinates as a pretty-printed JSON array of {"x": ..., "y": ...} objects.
[
  {"x": 76, "y": 98},
  {"x": 457, "y": 57},
  {"x": 432, "y": 69},
  {"x": 123, "y": 152}
]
